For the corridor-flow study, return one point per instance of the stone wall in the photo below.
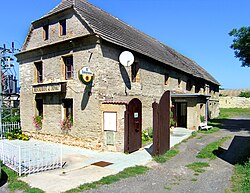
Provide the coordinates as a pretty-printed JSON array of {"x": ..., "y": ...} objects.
[
  {"x": 112, "y": 82},
  {"x": 234, "y": 102}
]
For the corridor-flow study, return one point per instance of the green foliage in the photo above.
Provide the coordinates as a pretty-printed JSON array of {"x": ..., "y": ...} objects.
[
  {"x": 241, "y": 178},
  {"x": 14, "y": 184},
  {"x": 202, "y": 118},
  {"x": 234, "y": 112},
  {"x": 245, "y": 94},
  {"x": 172, "y": 122},
  {"x": 147, "y": 135},
  {"x": 241, "y": 44},
  {"x": 126, "y": 173},
  {"x": 10, "y": 117},
  {"x": 198, "y": 166},
  {"x": 167, "y": 156},
  {"x": 16, "y": 134},
  {"x": 207, "y": 152}
]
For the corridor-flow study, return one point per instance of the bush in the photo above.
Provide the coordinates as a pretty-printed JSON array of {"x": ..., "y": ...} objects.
[
  {"x": 16, "y": 134},
  {"x": 147, "y": 134},
  {"x": 38, "y": 121},
  {"x": 245, "y": 94}
]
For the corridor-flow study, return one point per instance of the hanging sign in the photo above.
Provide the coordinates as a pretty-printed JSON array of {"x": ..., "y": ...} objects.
[{"x": 86, "y": 76}]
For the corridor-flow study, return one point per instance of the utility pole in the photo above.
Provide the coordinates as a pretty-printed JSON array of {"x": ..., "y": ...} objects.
[{"x": 6, "y": 74}]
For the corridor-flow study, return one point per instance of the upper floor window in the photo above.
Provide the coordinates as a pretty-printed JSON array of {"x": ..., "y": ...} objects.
[
  {"x": 69, "y": 70},
  {"x": 135, "y": 72},
  {"x": 39, "y": 72},
  {"x": 63, "y": 30},
  {"x": 46, "y": 32},
  {"x": 179, "y": 82},
  {"x": 189, "y": 85},
  {"x": 166, "y": 79}
]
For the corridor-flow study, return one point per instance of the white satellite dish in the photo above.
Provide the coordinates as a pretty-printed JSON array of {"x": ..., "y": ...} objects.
[{"x": 126, "y": 58}]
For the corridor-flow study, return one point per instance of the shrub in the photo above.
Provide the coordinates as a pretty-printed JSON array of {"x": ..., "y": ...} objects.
[
  {"x": 38, "y": 121},
  {"x": 16, "y": 134},
  {"x": 245, "y": 94},
  {"x": 66, "y": 124},
  {"x": 147, "y": 134}
]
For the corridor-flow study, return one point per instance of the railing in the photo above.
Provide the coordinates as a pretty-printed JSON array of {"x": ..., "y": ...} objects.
[
  {"x": 27, "y": 157},
  {"x": 8, "y": 127}
]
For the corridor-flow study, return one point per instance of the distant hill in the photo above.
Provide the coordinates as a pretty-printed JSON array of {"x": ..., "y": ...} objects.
[{"x": 233, "y": 92}]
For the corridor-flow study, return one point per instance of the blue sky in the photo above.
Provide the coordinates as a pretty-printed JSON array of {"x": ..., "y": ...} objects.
[{"x": 197, "y": 29}]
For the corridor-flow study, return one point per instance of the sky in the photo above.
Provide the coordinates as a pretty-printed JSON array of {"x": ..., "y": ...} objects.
[{"x": 197, "y": 29}]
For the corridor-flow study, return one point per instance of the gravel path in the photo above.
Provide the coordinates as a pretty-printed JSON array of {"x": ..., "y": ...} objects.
[{"x": 173, "y": 176}]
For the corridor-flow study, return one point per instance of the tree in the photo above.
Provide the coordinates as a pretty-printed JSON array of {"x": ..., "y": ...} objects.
[{"x": 241, "y": 45}]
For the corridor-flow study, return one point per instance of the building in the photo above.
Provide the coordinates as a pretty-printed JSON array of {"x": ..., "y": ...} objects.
[{"x": 76, "y": 34}]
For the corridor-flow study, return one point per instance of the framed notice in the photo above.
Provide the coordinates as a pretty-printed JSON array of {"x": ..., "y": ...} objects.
[{"x": 109, "y": 120}]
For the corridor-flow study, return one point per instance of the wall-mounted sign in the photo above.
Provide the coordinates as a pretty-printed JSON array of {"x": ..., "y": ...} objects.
[
  {"x": 47, "y": 88},
  {"x": 86, "y": 76},
  {"x": 109, "y": 121}
]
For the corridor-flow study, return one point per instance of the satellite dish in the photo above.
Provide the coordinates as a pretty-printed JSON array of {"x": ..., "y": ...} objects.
[{"x": 126, "y": 58}]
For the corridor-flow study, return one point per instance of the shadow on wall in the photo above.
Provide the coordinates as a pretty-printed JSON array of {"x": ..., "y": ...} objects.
[
  {"x": 86, "y": 94},
  {"x": 125, "y": 76},
  {"x": 238, "y": 151}
]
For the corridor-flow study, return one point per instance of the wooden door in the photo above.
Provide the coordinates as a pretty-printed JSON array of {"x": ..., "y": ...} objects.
[{"x": 133, "y": 126}]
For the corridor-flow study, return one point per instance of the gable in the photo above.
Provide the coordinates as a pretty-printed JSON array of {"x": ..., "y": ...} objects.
[{"x": 75, "y": 27}]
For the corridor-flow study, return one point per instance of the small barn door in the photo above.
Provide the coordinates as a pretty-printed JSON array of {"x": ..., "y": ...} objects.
[{"x": 133, "y": 126}]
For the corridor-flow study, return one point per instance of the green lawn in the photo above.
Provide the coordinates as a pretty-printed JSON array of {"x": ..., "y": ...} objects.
[{"x": 233, "y": 112}]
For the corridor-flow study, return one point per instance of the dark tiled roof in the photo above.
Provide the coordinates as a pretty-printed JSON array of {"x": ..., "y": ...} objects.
[{"x": 116, "y": 31}]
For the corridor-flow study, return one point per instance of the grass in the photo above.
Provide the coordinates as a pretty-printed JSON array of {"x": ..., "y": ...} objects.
[
  {"x": 126, "y": 173},
  {"x": 234, "y": 112},
  {"x": 212, "y": 130},
  {"x": 207, "y": 152},
  {"x": 198, "y": 167},
  {"x": 167, "y": 156},
  {"x": 241, "y": 178},
  {"x": 14, "y": 184}
]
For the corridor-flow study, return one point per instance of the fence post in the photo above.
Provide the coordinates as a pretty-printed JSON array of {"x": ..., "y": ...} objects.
[
  {"x": 20, "y": 161},
  {"x": 61, "y": 154}
]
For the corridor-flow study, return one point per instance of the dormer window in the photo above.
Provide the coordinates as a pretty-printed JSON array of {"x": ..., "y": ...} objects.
[
  {"x": 46, "y": 32},
  {"x": 63, "y": 27}
]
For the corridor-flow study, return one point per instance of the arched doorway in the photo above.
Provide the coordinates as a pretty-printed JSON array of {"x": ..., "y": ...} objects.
[{"x": 133, "y": 126}]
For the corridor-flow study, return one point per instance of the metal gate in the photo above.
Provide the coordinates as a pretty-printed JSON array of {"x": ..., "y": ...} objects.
[
  {"x": 161, "y": 126},
  {"x": 133, "y": 126}
]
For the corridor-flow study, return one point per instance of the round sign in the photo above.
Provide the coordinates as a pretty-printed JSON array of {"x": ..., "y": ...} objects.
[
  {"x": 86, "y": 76},
  {"x": 126, "y": 58}
]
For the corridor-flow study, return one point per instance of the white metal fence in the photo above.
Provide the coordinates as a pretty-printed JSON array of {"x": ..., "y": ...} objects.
[
  {"x": 7, "y": 127},
  {"x": 27, "y": 157}
]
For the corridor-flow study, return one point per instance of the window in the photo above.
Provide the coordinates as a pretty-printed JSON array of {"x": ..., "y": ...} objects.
[
  {"x": 68, "y": 61},
  {"x": 39, "y": 72},
  {"x": 63, "y": 27},
  {"x": 189, "y": 85},
  {"x": 46, "y": 32},
  {"x": 68, "y": 108},
  {"x": 39, "y": 107},
  {"x": 166, "y": 79},
  {"x": 197, "y": 88},
  {"x": 135, "y": 72},
  {"x": 179, "y": 82}
]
